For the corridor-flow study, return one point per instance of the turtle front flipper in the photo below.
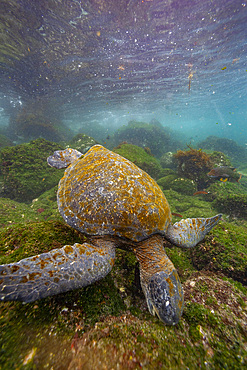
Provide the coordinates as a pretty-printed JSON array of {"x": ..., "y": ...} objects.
[
  {"x": 160, "y": 281},
  {"x": 188, "y": 233},
  {"x": 57, "y": 271},
  {"x": 63, "y": 158}
]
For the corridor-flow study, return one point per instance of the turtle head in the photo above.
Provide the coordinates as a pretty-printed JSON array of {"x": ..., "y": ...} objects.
[
  {"x": 160, "y": 281},
  {"x": 164, "y": 296}
]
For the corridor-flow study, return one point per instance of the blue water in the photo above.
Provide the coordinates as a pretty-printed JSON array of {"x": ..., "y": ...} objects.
[{"x": 180, "y": 62}]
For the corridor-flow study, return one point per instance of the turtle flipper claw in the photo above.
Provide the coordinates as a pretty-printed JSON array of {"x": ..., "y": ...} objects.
[
  {"x": 55, "y": 272},
  {"x": 188, "y": 233}
]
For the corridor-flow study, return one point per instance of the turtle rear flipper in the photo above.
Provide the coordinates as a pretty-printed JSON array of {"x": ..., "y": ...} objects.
[
  {"x": 63, "y": 158},
  {"x": 58, "y": 271},
  {"x": 188, "y": 233}
]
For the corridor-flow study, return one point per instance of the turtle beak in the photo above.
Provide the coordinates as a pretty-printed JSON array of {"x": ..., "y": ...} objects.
[{"x": 164, "y": 295}]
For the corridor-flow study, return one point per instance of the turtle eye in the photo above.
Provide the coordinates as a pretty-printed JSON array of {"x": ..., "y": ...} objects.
[{"x": 166, "y": 296}]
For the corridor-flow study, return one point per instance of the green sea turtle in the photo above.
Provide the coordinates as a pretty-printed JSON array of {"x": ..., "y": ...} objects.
[{"x": 116, "y": 204}]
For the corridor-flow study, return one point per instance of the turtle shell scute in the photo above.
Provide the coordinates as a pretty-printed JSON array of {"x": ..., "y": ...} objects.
[{"x": 103, "y": 193}]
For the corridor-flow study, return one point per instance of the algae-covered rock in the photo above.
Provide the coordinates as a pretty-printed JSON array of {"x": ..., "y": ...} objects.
[
  {"x": 234, "y": 205},
  {"x": 21, "y": 241},
  {"x": 225, "y": 251},
  {"x": 167, "y": 160},
  {"x": 152, "y": 135},
  {"x": 26, "y": 173},
  {"x": 194, "y": 164},
  {"x": 42, "y": 208},
  {"x": 227, "y": 146},
  {"x": 229, "y": 198},
  {"x": 219, "y": 158},
  {"x": 141, "y": 158},
  {"x": 82, "y": 143},
  {"x": 179, "y": 184},
  {"x": 188, "y": 206}
]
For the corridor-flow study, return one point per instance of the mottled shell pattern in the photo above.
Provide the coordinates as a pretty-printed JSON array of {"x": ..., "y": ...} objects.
[{"x": 103, "y": 193}]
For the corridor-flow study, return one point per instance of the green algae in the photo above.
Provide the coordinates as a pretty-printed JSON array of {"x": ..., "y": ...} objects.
[
  {"x": 153, "y": 135},
  {"x": 233, "y": 204},
  {"x": 81, "y": 142},
  {"x": 182, "y": 261},
  {"x": 225, "y": 251},
  {"x": 26, "y": 174},
  {"x": 179, "y": 184},
  {"x": 229, "y": 147},
  {"x": 189, "y": 206},
  {"x": 21, "y": 241},
  {"x": 141, "y": 158},
  {"x": 41, "y": 209},
  {"x": 229, "y": 198}
]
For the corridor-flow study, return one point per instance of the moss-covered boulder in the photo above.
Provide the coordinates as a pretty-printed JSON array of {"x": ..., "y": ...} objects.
[
  {"x": 21, "y": 241},
  {"x": 179, "y": 184},
  {"x": 229, "y": 198},
  {"x": 187, "y": 205},
  {"x": 81, "y": 142},
  {"x": 167, "y": 160},
  {"x": 234, "y": 205},
  {"x": 42, "y": 208},
  {"x": 219, "y": 158},
  {"x": 141, "y": 157},
  {"x": 225, "y": 251},
  {"x": 228, "y": 146},
  {"x": 25, "y": 171},
  {"x": 194, "y": 164},
  {"x": 157, "y": 138}
]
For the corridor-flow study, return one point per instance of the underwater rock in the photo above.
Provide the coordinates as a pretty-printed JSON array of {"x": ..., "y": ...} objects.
[
  {"x": 219, "y": 158},
  {"x": 194, "y": 164},
  {"x": 227, "y": 146},
  {"x": 159, "y": 139},
  {"x": 229, "y": 198},
  {"x": 25, "y": 171},
  {"x": 141, "y": 158},
  {"x": 224, "y": 252},
  {"x": 82, "y": 143},
  {"x": 179, "y": 184},
  {"x": 235, "y": 205},
  {"x": 167, "y": 160}
]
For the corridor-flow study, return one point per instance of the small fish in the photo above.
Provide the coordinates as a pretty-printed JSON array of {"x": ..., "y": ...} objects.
[
  {"x": 40, "y": 210},
  {"x": 190, "y": 78},
  {"x": 225, "y": 173},
  {"x": 121, "y": 68},
  {"x": 200, "y": 192},
  {"x": 177, "y": 215}
]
